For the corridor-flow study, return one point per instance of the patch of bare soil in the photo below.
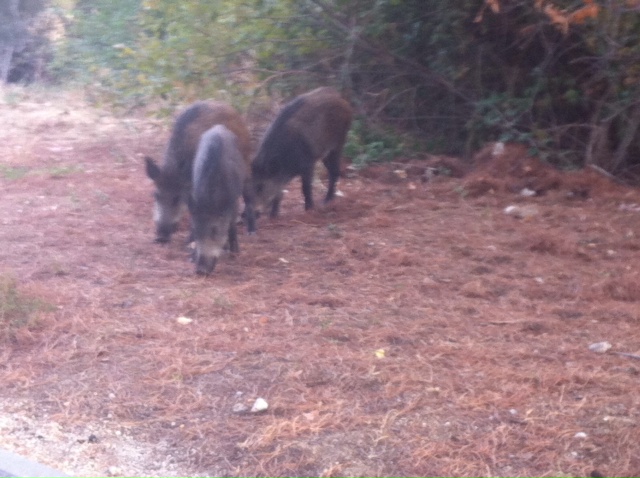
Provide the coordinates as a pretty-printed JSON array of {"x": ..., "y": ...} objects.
[{"x": 412, "y": 327}]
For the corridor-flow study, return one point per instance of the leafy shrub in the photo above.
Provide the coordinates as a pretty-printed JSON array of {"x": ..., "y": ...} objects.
[
  {"x": 366, "y": 145},
  {"x": 98, "y": 31},
  {"x": 558, "y": 75}
]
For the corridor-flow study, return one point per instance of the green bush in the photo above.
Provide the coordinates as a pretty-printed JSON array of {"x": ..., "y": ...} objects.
[
  {"x": 97, "y": 34},
  {"x": 562, "y": 79},
  {"x": 367, "y": 145}
]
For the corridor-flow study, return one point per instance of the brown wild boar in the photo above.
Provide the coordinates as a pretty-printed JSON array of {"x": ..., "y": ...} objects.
[
  {"x": 313, "y": 126},
  {"x": 173, "y": 179},
  {"x": 219, "y": 174}
]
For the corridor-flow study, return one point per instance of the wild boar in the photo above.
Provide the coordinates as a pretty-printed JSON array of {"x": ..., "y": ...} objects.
[
  {"x": 219, "y": 174},
  {"x": 173, "y": 179},
  {"x": 312, "y": 126}
]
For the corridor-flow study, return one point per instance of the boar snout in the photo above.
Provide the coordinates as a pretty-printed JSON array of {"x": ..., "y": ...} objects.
[
  {"x": 205, "y": 265},
  {"x": 163, "y": 233}
]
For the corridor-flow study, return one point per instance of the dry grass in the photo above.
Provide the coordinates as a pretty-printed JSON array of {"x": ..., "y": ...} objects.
[
  {"x": 407, "y": 329},
  {"x": 20, "y": 313}
]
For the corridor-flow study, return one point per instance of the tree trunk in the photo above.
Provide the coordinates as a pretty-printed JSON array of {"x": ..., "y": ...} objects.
[
  {"x": 6, "y": 54},
  {"x": 17, "y": 36},
  {"x": 630, "y": 134}
]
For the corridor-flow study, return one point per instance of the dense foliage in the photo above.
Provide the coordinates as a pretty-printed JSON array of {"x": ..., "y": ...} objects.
[
  {"x": 559, "y": 75},
  {"x": 96, "y": 34}
]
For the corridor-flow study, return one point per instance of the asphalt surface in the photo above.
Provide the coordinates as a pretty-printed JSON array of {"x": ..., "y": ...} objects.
[{"x": 14, "y": 465}]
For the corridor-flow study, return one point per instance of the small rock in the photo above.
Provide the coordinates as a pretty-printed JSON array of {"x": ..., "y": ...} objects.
[
  {"x": 429, "y": 282},
  {"x": 580, "y": 435},
  {"x": 92, "y": 438},
  {"x": 521, "y": 212},
  {"x": 311, "y": 416},
  {"x": 629, "y": 207},
  {"x": 526, "y": 192},
  {"x": 184, "y": 320},
  {"x": 114, "y": 471},
  {"x": 600, "y": 347},
  {"x": 260, "y": 405},
  {"x": 239, "y": 408},
  {"x": 510, "y": 210}
]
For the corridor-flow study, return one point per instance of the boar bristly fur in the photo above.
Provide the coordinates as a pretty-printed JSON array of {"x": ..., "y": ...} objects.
[
  {"x": 311, "y": 127},
  {"x": 219, "y": 174},
  {"x": 173, "y": 178}
]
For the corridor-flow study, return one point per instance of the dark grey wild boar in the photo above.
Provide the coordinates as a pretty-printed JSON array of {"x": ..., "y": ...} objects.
[
  {"x": 219, "y": 174},
  {"x": 173, "y": 179},
  {"x": 313, "y": 126}
]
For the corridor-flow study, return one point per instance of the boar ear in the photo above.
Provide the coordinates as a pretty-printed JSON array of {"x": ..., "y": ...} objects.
[{"x": 153, "y": 171}]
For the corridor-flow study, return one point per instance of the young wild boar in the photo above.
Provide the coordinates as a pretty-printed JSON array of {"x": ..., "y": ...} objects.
[
  {"x": 173, "y": 179},
  {"x": 313, "y": 126},
  {"x": 219, "y": 174}
]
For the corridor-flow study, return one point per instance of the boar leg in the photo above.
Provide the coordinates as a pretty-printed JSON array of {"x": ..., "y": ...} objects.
[
  {"x": 275, "y": 205},
  {"x": 332, "y": 163},
  {"x": 307, "y": 191},
  {"x": 248, "y": 214},
  {"x": 233, "y": 237}
]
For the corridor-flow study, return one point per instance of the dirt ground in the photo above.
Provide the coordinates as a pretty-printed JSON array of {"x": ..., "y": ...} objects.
[{"x": 422, "y": 324}]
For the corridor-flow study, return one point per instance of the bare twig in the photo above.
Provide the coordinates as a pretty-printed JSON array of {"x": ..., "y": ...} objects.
[
  {"x": 383, "y": 52},
  {"x": 599, "y": 170},
  {"x": 626, "y": 354}
]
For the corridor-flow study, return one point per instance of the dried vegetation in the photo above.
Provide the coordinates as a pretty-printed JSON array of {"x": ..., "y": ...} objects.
[{"x": 409, "y": 328}]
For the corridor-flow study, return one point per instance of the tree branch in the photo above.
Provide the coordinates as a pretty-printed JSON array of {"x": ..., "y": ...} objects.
[{"x": 379, "y": 50}]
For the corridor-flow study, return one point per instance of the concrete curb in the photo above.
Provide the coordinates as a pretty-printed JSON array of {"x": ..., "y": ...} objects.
[{"x": 12, "y": 465}]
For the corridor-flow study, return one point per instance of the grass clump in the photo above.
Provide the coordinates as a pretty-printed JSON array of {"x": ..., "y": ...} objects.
[
  {"x": 17, "y": 310},
  {"x": 12, "y": 173}
]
